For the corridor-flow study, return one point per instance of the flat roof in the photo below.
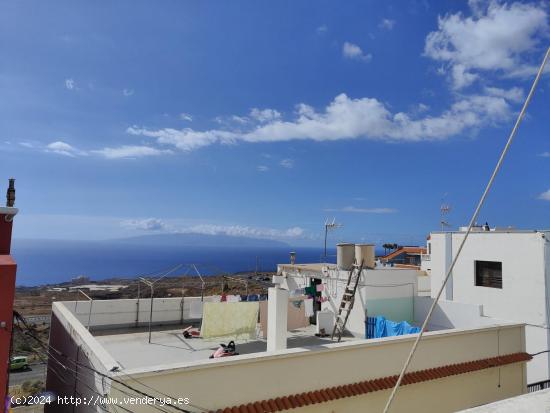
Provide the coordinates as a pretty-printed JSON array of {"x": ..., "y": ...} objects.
[
  {"x": 316, "y": 267},
  {"x": 495, "y": 231},
  {"x": 537, "y": 401},
  {"x": 132, "y": 349}
]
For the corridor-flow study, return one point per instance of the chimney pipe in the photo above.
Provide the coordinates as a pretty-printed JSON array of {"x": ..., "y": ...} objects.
[
  {"x": 6, "y": 217},
  {"x": 10, "y": 194}
]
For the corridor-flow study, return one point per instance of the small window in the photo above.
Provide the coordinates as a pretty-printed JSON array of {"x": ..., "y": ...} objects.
[{"x": 489, "y": 274}]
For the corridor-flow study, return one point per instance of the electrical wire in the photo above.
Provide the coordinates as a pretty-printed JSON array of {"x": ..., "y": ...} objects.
[
  {"x": 470, "y": 225},
  {"x": 76, "y": 363}
]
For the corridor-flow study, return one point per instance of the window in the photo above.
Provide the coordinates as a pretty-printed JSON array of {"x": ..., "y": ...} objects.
[{"x": 489, "y": 274}]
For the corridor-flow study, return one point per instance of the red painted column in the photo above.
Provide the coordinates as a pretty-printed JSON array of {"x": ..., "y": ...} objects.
[
  {"x": 7, "y": 293},
  {"x": 8, "y": 269}
]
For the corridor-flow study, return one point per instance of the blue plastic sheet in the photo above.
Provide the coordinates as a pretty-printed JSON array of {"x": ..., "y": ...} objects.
[{"x": 388, "y": 328}]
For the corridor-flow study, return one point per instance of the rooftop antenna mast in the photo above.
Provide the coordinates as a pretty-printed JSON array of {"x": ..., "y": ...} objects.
[
  {"x": 444, "y": 209},
  {"x": 332, "y": 225}
]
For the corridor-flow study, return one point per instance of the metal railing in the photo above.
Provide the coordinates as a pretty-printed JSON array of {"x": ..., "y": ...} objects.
[{"x": 540, "y": 385}]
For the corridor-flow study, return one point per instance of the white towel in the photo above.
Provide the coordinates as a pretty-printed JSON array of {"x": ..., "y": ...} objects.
[
  {"x": 236, "y": 320},
  {"x": 308, "y": 307},
  {"x": 233, "y": 298}
]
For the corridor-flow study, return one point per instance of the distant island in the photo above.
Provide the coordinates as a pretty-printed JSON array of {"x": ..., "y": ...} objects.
[
  {"x": 200, "y": 240},
  {"x": 43, "y": 261}
]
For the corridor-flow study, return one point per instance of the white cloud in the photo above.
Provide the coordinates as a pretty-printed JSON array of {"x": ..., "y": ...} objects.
[
  {"x": 245, "y": 231},
  {"x": 363, "y": 210},
  {"x": 352, "y": 51},
  {"x": 186, "y": 116},
  {"x": 186, "y": 139},
  {"x": 262, "y": 168},
  {"x": 322, "y": 29},
  {"x": 347, "y": 118},
  {"x": 130, "y": 151},
  {"x": 63, "y": 148},
  {"x": 70, "y": 84},
  {"x": 545, "y": 196},
  {"x": 128, "y": 92},
  {"x": 496, "y": 38},
  {"x": 147, "y": 224},
  {"x": 287, "y": 163},
  {"x": 387, "y": 24},
  {"x": 160, "y": 225},
  {"x": 264, "y": 115},
  {"x": 545, "y": 154},
  {"x": 514, "y": 94}
]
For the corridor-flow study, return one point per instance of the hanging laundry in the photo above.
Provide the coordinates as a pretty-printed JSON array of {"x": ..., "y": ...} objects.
[
  {"x": 320, "y": 287},
  {"x": 308, "y": 307},
  {"x": 236, "y": 320},
  {"x": 223, "y": 298},
  {"x": 253, "y": 297},
  {"x": 310, "y": 290},
  {"x": 296, "y": 304},
  {"x": 233, "y": 298},
  {"x": 244, "y": 297},
  {"x": 297, "y": 292}
]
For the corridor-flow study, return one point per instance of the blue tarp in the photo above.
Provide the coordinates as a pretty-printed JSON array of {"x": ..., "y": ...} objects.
[{"x": 388, "y": 328}]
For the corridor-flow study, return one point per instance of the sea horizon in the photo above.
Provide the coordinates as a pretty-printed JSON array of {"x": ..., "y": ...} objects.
[{"x": 57, "y": 262}]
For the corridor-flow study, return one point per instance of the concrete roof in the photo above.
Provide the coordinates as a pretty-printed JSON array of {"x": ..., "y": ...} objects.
[
  {"x": 536, "y": 402},
  {"x": 314, "y": 267},
  {"x": 132, "y": 350}
]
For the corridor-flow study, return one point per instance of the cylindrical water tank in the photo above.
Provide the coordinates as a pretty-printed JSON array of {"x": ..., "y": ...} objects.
[
  {"x": 365, "y": 252},
  {"x": 345, "y": 256}
]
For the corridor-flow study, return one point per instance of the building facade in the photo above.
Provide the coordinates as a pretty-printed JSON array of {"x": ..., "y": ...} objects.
[{"x": 505, "y": 272}]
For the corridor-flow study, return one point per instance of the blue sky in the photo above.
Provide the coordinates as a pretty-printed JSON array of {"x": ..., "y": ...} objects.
[{"x": 266, "y": 118}]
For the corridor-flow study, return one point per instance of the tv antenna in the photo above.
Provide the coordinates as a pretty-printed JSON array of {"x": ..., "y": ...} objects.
[
  {"x": 444, "y": 210},
  {"x": 329, "y": 226}
]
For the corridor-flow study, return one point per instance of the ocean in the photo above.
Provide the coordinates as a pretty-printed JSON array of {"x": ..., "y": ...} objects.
[{"x": 49, "y": 262}]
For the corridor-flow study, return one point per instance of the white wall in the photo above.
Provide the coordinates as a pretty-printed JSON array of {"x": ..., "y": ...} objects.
[
  {"x": 72, "y": 350},
  {"x": 270, "y": 375},
  {"x": 383, "y": 291},
  {"x": 450, "y": 314},
  {"x": 525, "y": 283},
  {"x": 124, "y": 312},
  {"x": 523, "y": 294}
]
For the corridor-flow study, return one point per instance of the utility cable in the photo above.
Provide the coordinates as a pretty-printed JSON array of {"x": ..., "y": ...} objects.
[
  {"x": 470, "y": 225},
  {"x": 19, "y": 317}
]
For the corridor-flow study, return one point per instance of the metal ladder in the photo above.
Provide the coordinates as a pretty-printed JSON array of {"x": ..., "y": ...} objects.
[{"x": 348, "y": 299}]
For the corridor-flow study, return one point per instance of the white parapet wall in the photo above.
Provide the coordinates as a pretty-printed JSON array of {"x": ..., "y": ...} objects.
[
  {"x": 76, "y": 361},
  {"x": 216, "y": 384},
  {"x": 128, "y": 312},
  {"x": 452, "y": 314},
  {"x": 388, "y": 292}
]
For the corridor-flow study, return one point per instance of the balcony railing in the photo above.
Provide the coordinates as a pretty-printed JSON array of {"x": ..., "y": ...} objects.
[{"x": 426, "y": 257}]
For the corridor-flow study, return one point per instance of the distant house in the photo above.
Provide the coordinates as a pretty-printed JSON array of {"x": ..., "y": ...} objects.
[{"x": 404, "y": 256}]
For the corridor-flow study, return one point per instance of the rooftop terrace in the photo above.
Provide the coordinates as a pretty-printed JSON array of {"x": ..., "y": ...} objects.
[{"x": 132, "y": 350}]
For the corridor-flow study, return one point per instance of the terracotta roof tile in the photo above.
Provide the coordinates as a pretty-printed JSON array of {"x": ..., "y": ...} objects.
[{"x": 368, "y": 386}]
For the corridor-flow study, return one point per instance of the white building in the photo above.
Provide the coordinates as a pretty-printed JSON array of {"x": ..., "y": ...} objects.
[
  {"x": 506, "y": 273},
  {"x": 100, "y": 348}
]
